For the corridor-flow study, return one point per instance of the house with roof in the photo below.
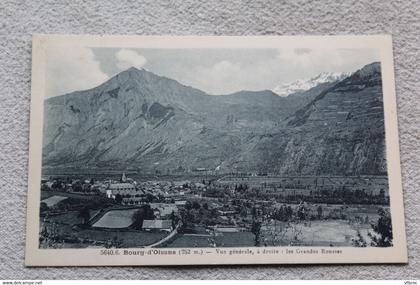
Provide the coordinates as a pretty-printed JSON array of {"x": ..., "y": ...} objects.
[
  {"x": 120, "y": 188},
  {"x": 163, "y": 210},
  {"x": 157, "y": 225},
  {"x": 180, "y": 202}
]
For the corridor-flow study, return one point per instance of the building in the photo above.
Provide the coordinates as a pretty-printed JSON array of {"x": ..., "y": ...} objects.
[
  {"x": 120, "y": 188},
  {"x": 228, "y": 229},
  {"x": 163, "y": 210},
  {"x": 202, "y": 170},
  {"x": 123, "y": 178},
  {"x": 157, "y": 225},
  {"x": 226, "y": 212},
  {"x": 181, "y": 202}
]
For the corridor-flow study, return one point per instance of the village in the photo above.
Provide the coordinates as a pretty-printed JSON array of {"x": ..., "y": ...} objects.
[{"x": 210, "y": 211}]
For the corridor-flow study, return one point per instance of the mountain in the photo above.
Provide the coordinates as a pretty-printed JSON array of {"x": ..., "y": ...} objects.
[
  {"x": 340, "y": 132},
  {"x": 143, "y": 121},
  {"x": 301, "y": 85}
]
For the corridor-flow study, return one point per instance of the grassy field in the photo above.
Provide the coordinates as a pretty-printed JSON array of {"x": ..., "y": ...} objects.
[
  {"x": 49, "y": 193},
  {"x": 127, "y": 238},
  {"x": 116, "y": 219},
  {"x": 240, "y": 239},
  {"x": 53, "y": 200},
  {"x": 314, "y": 233},
  {"x": 69, "y": 218},
  {"x": 236, "y": 239},
  {"x": 189, "y": 241}
]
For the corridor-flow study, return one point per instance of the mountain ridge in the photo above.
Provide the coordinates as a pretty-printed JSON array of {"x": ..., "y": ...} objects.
[{"x": 141, "y": 120}]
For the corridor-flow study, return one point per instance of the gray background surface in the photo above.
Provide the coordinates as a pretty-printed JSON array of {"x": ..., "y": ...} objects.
[{"x": 20, "y": 19}]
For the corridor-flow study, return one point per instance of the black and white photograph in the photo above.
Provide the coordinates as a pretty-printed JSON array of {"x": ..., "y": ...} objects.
[{"x": 246, "y": 148}]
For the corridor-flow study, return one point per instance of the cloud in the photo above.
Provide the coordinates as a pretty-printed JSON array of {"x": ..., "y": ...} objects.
[
  {"x": 326, "y": 59},
  {"x": 306, "y": 58},
  {"x": 302, "y": 50},
  {"x": 220, "y": 78},
  {"x": 215, "y": 71},
  {"x": 310, "y": 62},
  {"x": 225, "y": 76},
  {"x": 127, "y": 58},
  {"x": 248, "y": 72},
  {"x": 72, "y": 69}
]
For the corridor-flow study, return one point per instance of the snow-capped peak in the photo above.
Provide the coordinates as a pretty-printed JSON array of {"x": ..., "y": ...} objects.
[{"x": 306, "y": 84}]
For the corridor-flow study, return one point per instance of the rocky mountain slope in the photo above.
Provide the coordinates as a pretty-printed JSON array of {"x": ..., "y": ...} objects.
[
  {"x": 143, "y": 121},
  {"x": 340, "y": 132}
]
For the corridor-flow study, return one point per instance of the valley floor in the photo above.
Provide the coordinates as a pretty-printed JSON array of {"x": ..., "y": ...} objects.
[{"x": 228, "y": 212}]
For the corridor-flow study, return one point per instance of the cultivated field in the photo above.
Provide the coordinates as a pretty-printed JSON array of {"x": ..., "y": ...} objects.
[
  {"x": 314, "y": 233},
  {"x": 51, "y": 201},
  {"x": 116, "y": 219}
]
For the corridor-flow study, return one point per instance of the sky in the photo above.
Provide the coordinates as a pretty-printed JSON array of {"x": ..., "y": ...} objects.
[{"x": 215, "y": 71}]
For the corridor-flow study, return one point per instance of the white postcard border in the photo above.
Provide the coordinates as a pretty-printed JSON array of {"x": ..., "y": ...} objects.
[{"x": 159, "y": 256}]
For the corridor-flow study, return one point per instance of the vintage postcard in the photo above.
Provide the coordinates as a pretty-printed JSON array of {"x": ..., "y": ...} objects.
[{"x": 149, "y": 150}]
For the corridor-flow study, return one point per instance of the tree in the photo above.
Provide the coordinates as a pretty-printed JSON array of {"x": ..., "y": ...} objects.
[
  {"x": 44, "y": 207},
  {"x": 256, "y": 230},
  {"x": 84, "y": 214},
  {"x": 196, "y": 205},
  {"x": 382, "y": 196},
  {"x": 382, "y": 193},
  {"x": 319, "y": 212},
  {"x": 148, "y": 212},
  {"x": 243, "y": 212},
  {"x": 366, "y": 220},
  {"x": 187, "y": 219},
  {"x": 77, "y": 187},
  {"x": 150, "y": 198},
  {"x": 188, "y": 205},
  {"x": 383, "y": 230},
  {"x": 174, "y": 219},
  {"x": 57, "y": 185},
  {"x": 302, "y": 213},
  {"x": 359, "y": 241},
  {"x": 289, "y": 212},
  {"x": 138, "y": 219},
  {"x": 144, "y": 213},
  {"x": 254, "y": 212},
  {"x": 118, "y": 198},
  {"x": 114, "y": 242},
  {"x": 279, "y": 214}
]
